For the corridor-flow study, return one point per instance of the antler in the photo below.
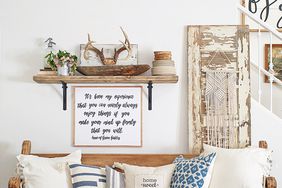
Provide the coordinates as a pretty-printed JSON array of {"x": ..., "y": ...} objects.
[
  {"x": 89, "y": 47},
  {"x": 108, "y": 61},
  {"x": 125, "y": 46}
]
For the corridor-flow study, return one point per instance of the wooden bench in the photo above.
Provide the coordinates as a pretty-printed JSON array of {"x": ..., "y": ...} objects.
[{"x": 137, "y": 159}]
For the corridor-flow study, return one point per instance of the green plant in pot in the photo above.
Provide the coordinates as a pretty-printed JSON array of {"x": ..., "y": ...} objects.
[{"x": 63, "y": 62}]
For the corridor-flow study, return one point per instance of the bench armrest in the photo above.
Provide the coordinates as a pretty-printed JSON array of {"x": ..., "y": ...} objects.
[
  {"x": 270, "y": 182},
  {"x": 14, "y": 182}
]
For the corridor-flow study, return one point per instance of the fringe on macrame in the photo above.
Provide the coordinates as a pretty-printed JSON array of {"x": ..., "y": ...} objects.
[{"x": 221, "y": 109}]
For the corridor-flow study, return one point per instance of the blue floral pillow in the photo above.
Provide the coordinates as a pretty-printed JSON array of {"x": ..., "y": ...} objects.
[{"x": 194, "y": 173}]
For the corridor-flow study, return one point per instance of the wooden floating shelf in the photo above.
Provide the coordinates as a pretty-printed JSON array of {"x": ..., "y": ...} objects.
[
  {"x": 64, "y": 80},
  {"x": 48, "y": 79}
]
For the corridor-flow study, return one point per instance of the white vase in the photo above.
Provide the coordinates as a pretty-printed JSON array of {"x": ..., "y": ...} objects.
[{"x": 63, "y": 70}]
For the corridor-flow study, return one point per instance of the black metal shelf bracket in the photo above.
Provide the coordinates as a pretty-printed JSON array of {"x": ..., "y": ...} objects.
[
  {"x": 64, "y": 86},
  {"x": 150, "y": 93}
]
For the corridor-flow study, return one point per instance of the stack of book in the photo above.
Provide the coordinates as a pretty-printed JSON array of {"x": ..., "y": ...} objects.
[{"x": 163, "y": 64}]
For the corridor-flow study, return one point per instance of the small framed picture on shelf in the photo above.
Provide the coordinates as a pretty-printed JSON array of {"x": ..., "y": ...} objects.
[
  {"x": 109, "y": 50},
  {"x": 276, "y": 60}
]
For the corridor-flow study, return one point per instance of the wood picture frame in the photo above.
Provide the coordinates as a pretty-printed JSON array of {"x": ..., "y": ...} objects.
[
  {"x": 244, "y": 20},
  {"x": 140, "y": 112},
  {"x": 276, "y": 60}
]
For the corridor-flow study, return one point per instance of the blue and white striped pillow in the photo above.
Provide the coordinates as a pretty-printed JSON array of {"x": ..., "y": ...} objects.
[
  {"x": 115, "y": 179},
  {"x": 87, "y": 176}
]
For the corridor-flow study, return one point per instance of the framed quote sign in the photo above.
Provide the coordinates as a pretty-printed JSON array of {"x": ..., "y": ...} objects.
[
  {"x": 107, "y": 116},
  {"x": 269, "y": 11}
]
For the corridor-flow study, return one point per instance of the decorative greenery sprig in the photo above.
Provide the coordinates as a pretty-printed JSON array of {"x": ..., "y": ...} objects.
[{"x": 62, "y": 58}]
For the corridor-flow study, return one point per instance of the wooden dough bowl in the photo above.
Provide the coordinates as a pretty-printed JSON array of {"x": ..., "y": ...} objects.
[{"x": 113, "y": 70}]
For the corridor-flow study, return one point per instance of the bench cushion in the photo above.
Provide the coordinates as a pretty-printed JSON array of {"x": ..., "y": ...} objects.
[
  {"x": 239, "y": 167},
  {"x": 140, "y": 177},
  {"x": 87, "y": 176},
  {"x": 115, "y": 179},
  {"x": 46, "y": 172},
  {"x": 193, "y": 173}
]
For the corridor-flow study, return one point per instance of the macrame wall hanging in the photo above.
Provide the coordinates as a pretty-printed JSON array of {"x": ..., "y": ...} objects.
[
  {"x": 221, "y": 106},
  {"x": 218, "y": 87}
]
